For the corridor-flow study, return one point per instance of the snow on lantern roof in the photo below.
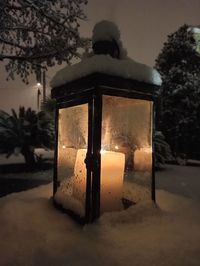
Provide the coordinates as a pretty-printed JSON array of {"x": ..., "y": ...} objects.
[{"x": 105, "y": 64}]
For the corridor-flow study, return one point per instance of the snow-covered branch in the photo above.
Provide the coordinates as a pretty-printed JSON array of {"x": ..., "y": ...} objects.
[{"x": 39, "y": 32}]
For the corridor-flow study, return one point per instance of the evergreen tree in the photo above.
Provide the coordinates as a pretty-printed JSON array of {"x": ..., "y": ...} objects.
[
  {"x": 178, "y": 112},
  {"x": 39, "y": 33}
]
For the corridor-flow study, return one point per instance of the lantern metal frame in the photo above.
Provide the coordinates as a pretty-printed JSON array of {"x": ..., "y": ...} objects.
[{"x": 90, "y": 90}]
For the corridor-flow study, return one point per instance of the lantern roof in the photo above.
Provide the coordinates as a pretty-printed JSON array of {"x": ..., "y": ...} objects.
[
  {"x": 108, "y": 57},
  {"x": 105, "y": 64}
]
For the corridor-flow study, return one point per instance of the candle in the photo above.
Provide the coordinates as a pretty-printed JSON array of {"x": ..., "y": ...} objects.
[
  {"x": 143, "y": 159},
  {"x": 112, "y": 172}
]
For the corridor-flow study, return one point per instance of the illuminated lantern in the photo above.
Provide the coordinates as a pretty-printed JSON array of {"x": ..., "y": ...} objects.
[{"x": 104, "y": 127}]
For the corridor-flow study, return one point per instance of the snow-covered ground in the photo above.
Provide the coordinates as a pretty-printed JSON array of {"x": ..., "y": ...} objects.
[
  {"x": 181, "y": 180},
  {"x": 18, "y": 158},
  {"x": 33, "y": 232}
]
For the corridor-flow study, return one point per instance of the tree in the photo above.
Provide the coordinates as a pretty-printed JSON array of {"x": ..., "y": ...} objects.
[
  {"x": 39, "y": 33},
  {"x": 23, "y": 132},
  {"x": 178, "y": 112}
]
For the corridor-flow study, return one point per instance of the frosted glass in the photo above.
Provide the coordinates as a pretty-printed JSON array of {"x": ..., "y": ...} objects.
[
  {"x": 72, "y": 137},
  {"x": 127, "y": 129}
]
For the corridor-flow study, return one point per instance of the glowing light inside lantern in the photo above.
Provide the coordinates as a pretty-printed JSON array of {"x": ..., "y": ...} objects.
[{"x": 112, "y": 172}]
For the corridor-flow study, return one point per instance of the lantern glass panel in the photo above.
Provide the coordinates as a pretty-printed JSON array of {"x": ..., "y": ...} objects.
[
  {"x": 72, "y": 147},
  {"x": 126, "y": 152}
]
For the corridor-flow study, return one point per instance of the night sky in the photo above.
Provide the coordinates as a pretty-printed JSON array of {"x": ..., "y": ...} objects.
[{"x": 144, "y": 26}]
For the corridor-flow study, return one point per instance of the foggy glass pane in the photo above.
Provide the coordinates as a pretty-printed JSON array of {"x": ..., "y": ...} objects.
[
  {"x": 126, "y": 139},
  {"x": 71, "y": 169}
]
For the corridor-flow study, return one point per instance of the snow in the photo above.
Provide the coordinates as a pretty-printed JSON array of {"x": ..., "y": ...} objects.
[
  {"x": 64, "y": 196},
  {"x": 133, "y": 192},
  {"x": 33, "y": 232},
  {"x": 19, "y": 158},
  {"x": 126, "y": 68}
]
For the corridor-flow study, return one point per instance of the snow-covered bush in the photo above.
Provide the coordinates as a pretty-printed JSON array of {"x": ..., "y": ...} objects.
[{"x": 162, "y": 150}]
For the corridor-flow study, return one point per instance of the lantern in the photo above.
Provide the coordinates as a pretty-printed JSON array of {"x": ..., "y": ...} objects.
[{"x": 104, "y": 124}]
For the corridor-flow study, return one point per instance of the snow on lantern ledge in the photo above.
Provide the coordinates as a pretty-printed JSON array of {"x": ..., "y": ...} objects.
[{"x": 126, "y": 68}]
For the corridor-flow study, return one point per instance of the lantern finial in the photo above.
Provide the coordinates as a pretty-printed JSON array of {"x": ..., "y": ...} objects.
[{"x": 106, "y": 39}]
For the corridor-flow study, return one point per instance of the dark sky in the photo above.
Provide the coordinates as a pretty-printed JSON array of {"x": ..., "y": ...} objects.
[{"x": 144, "y": 26}]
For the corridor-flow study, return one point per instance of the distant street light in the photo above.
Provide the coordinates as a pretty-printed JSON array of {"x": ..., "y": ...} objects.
[
  {"x": 41, "y": 76},
  {"x": 38, "y": 95}
]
